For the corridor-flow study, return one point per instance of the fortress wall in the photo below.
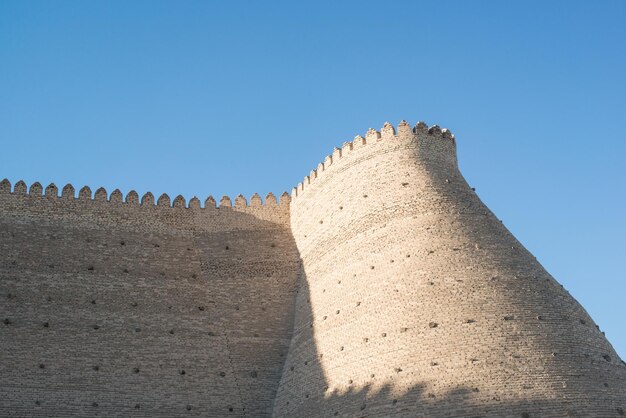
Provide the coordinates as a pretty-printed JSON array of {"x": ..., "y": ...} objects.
[
  {"x": 415, "y": 300},
  {"x": 385, "y": 283},
  {"x": 113, "y": 308}
]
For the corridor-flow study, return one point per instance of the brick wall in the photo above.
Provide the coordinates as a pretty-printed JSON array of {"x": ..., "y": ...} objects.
[
  {"x": 120, "y": 309},
  {"x": 417, "y": 301},
  {"x": 385, "y": 288}
]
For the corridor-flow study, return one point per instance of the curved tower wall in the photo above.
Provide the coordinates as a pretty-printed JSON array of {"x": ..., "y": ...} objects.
[{"x": 415, "y": 300}]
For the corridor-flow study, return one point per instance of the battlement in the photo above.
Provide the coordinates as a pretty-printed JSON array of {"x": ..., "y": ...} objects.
[
  {"x": 404, "y": 132},
  {"x": 68, "y": 193}
]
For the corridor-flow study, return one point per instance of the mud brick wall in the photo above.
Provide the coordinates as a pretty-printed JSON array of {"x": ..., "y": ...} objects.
[
  {"x": 417, "y": 301},
  {"x": 113, "y": 308},
  {"x": 382, "y": 287}
]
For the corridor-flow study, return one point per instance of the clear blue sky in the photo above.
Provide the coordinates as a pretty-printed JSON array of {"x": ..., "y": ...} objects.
[{"x": 229, "y": 97}]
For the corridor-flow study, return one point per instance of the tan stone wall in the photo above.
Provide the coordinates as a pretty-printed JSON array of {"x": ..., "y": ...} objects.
[
  {"x": 417, "y": 301},
  {"x": 118, "y": 309},
  {"x": 386, "y": 288}
]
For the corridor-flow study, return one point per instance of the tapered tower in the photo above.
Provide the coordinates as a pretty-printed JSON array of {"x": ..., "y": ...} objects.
[{"x": 415, "y": 300}]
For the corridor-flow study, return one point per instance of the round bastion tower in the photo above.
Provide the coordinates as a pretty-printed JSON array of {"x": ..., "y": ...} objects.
[{"x": 415, "y": 300}]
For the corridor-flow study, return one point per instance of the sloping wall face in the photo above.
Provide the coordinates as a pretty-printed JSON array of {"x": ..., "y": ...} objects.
[
  {"x": 416, "y": 301},
  {"x": 121, "y": 309}
]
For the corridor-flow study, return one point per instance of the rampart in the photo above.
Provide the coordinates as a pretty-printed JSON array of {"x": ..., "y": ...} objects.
[
  {"x": 124, "y": 308},
  {"x": 382, "y": 287}
]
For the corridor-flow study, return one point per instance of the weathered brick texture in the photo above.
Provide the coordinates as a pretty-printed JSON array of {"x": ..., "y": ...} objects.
[
  {"x": 384, "y": 288},
  {"x": 121, "y": 309},
  {"x": 417, "y": 301}
]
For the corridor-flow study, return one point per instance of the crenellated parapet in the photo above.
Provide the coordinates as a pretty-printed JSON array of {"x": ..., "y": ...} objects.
[
  {"x": 430, "y": 140},
  {"x": 439, "y": 141},
  {"x": 68, "y": 194},
  {"x": 432, "y": 146}
]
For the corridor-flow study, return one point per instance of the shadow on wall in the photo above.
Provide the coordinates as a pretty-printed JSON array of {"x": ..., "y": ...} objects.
[
  {"x": 113, "y": 309},
  {"x": 382, "y": 398}
]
